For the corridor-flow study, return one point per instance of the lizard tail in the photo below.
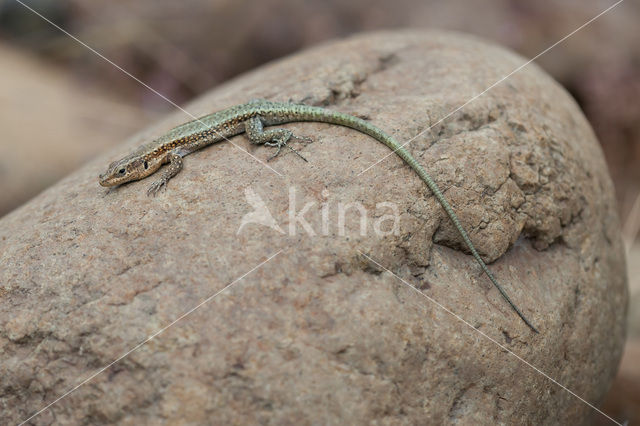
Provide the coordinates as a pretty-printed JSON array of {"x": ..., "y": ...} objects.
[{"x": 319, "y": 114}]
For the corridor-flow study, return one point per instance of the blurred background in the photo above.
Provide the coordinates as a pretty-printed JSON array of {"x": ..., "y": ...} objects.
[{"x": 61, "y": 105}]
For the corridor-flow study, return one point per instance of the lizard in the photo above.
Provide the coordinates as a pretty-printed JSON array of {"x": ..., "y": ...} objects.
[{"x": 251, "y": 118}]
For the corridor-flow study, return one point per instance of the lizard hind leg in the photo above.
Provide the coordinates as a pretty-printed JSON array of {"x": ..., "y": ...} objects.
[{"x": 277, "y": 138}]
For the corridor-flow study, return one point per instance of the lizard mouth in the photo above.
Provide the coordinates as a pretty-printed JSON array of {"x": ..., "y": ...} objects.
[{"x": 102, "y": 179}]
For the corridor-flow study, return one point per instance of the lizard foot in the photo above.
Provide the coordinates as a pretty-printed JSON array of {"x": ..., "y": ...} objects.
[
  {"x": 157, "y": 186},
  {"x": 284, "y": 142}
]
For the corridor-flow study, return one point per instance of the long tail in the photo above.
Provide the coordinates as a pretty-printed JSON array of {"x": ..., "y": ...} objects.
[{"x": 320, "y": 114}]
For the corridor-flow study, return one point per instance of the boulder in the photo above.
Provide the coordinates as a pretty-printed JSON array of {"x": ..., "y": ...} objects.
[{"x": 249, "y": 294}]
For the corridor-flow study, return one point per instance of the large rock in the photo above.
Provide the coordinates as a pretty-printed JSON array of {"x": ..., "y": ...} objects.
[{"x": 318, "y": 333}]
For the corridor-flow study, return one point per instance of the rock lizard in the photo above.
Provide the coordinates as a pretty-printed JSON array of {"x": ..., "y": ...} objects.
[{"x": 251, "y": 118}]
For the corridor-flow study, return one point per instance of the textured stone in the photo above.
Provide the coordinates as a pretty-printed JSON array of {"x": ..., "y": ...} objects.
[{"x": 319, "y": 334}]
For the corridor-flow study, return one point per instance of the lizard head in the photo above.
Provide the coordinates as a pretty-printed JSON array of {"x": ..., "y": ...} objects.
[{"x": 128, "y": 169}]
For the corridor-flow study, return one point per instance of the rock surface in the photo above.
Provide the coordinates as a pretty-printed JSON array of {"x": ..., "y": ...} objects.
[{"x": 319, "y": 334}]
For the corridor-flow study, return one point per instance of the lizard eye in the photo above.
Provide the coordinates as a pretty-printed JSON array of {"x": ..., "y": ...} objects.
[
  {"x": 121, "y": 171},
  {"x": 146, "y": 165}
]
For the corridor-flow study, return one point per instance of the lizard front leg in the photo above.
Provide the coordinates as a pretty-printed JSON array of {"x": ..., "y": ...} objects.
[
  {"x": 272, "y": 137},
  {"x": 175, "y": 165}
]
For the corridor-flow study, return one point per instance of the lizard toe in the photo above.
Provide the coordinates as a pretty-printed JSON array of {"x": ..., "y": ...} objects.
[{"x": 156, "y": 186}]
